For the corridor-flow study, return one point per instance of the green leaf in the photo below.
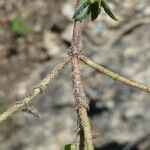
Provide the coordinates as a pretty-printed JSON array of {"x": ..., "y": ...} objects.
[
  {"x": 93, "y": 1},
  {"x": 108, "y": 10},
  {"x": 93, "y": 6},
  {"x": 83, "y": 14},
  {"x": 95, "y": 9},
  {"x": 69, "y": 147},
  {"x": 82, "y": 11},
  {"x": 18, "y": 26}
]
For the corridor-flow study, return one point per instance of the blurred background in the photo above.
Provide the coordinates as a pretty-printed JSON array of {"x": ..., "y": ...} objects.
[{"x": 34, "y": 37}]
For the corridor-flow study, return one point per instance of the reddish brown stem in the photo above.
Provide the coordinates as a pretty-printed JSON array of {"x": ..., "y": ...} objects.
[
  {"x": 79, "y": 95},
  {"x": 81, "y": 106},
  {"x": 75, "y": 49}
]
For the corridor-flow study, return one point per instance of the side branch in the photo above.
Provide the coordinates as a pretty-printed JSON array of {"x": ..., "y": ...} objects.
[
  {"x": 39, "y": 88},
  {"x": 114, "y": 75}
]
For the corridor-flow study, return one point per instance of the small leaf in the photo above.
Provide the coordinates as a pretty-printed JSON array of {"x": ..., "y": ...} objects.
[
  {"x": 69, "y": 147},
  {"x": 18, "y": 26},
  {"x": 93, "y": 1},
  {"x": 108, "y": 10},
  {"x": 95, "y": 9},
  {"x": 82, "y": 11}
]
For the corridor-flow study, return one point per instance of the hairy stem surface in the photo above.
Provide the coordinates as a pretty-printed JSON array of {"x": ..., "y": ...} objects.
[{"x": 79, "y": 95}]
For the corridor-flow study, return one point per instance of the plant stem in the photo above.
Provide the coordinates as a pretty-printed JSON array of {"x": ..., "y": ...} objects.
[
  {"x": 41, "y": 86},
  {"x": 75, "y": 47},
  {"x": 114, "y": 75},
  {"x": 79, "y": 95},
  {"x": 81, "y": 104}
]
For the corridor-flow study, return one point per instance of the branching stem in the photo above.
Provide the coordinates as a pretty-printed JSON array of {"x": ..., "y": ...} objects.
[
  {"x": 84, "y": 134},
  {"x": 79, "y": 95},
  {"x": 41, "y": 86},
  {"x": 114, "y": 75}
]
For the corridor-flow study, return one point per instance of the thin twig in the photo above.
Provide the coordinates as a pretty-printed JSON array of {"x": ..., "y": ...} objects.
[
  {"x": 114, "y": 75},
  {"x": 31, "y": 112},
  {"x": 126, "y": 29},
  {"x": 41, "y": 86}
]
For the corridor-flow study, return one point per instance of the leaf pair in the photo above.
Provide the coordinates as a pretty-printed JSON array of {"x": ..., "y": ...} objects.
[{"x": 94, "y": 7}]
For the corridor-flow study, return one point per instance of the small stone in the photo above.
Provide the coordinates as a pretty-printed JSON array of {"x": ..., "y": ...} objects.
[{"x": 68, "y": 10}]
